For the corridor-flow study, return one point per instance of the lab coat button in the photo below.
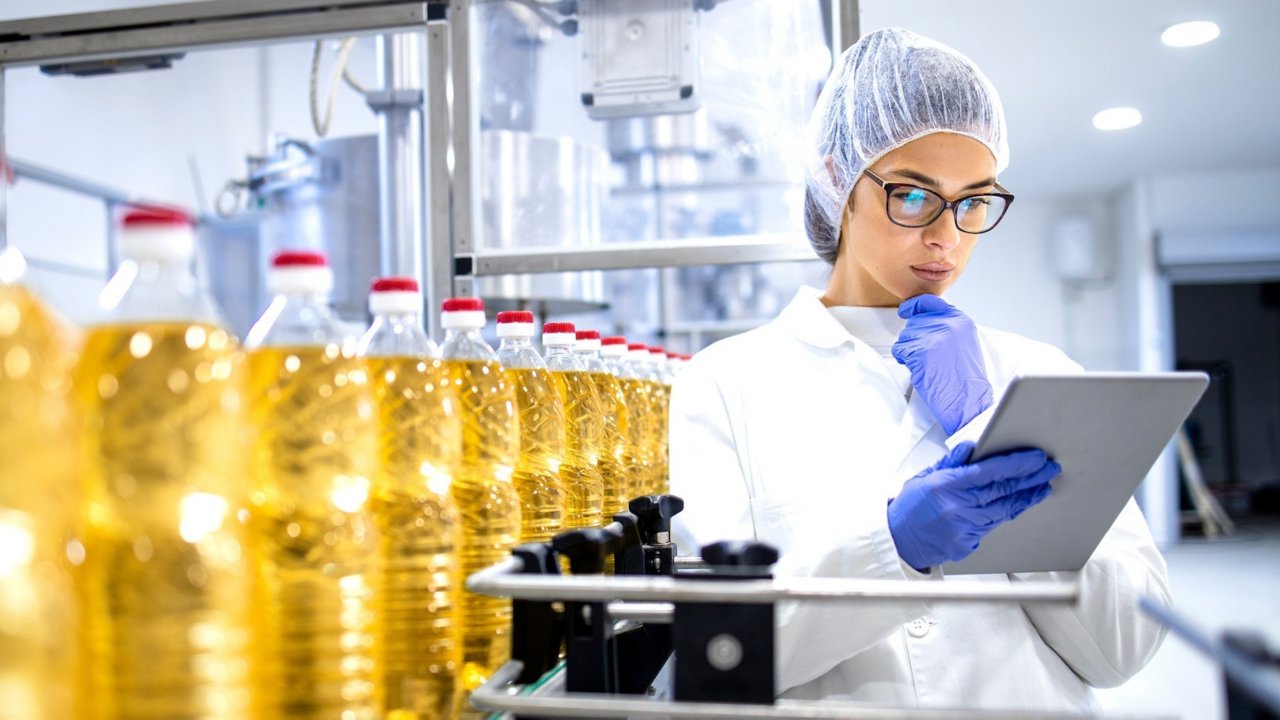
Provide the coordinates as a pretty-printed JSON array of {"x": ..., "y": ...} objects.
[{"x": 918, "y": 628}]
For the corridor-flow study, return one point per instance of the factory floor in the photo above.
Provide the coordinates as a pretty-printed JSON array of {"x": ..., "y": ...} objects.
[{"x": 1231, "y": 582}]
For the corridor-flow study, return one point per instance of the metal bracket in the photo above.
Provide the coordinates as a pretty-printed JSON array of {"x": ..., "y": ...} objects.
[{"x": 381, "y": 101}]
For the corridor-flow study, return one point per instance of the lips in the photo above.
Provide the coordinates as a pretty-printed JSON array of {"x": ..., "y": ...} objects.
[{"x": 933, "y": 271}]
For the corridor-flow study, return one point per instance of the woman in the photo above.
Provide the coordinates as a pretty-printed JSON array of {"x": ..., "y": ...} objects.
[{"x": 841, "y": 431}]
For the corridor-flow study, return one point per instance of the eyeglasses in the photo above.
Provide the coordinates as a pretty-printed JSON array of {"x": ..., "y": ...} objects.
[{"x": 912, "y": 206}]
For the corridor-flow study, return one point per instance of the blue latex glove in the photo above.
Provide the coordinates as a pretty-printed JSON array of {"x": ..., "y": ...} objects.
[
  {"x": 939, "y": 346},
  {"x": 944, "y": 512}
]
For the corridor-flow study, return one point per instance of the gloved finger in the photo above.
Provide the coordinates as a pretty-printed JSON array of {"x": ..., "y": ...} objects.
[
  {"x": 958, "y": 456},
  {"x": 1000, "y": 467},
  {"x": 988, "y": 494},
  {"x": 1020, "y": 502},
  {"x": 921, "y": 304}
]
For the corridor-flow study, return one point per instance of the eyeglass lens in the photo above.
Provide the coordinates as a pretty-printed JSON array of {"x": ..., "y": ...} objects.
[{"x": 916, "y": 207}]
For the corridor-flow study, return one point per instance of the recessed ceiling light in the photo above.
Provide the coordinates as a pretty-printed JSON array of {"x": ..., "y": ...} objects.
[
  {"x": 1119, "y": 118},
  {"x": 1187, "y": 34}
]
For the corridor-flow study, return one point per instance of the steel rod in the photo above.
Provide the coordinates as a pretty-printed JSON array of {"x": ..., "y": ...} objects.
[
  {"x": 499, "y": 695},
  {"x": 499, "y": 580}
]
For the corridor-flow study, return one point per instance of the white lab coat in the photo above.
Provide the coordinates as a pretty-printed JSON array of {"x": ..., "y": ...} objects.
[{"x": 797, "y": 434}]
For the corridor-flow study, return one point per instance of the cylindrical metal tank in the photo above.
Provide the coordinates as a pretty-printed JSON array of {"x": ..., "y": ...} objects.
[{"x": 541, "y": 192}]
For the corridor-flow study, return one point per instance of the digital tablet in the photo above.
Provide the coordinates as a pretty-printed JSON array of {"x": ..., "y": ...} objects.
[{"x": 1106, "y": 430}]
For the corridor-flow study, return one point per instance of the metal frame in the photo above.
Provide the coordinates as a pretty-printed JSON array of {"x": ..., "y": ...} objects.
[
  {"x": 451, "y": 179},
  {"x": 550, "y": 700}
]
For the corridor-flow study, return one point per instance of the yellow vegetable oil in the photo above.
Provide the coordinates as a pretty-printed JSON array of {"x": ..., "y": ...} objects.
[
  {"x": 640, "y": 393},
  {"x": 165, "y": 581},
  {"x": 420, "y": 447},
  {"x": 38, "y": 501},
  {"x": 320, "y": 556},
  {"x": 611, "y": 459},
  {"x": 660, "y": 397},
  {"x": 582, "y": 416},
  {"x": 482, "y": 486},
  {"x": 613, "y": 352},
  {"x": 537, "y": 474}
]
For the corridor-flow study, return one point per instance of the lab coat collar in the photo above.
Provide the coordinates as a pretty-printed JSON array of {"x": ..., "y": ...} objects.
[
  {"x": 807, "y": 318},
  {"x": 810, "y": 322}
]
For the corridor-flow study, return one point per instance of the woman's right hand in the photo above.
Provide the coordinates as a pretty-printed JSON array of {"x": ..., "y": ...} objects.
[{"x": 944, "y": 512}]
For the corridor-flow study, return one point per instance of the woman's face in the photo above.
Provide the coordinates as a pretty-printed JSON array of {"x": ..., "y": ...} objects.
[{"x": 880, "y": 264}]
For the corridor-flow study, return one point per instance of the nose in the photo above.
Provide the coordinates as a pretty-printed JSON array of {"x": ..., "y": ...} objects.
[{"x": 942, "y": 233}]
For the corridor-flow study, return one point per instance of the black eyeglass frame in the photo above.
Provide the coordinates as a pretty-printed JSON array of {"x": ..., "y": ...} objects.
[{"x": 946, "y": 205}]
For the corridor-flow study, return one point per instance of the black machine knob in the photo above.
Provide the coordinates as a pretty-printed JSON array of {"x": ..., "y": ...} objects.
[
  {"x": 629, "y": 559},
  {"x": 654, "y": 513},
  {"x": 739, "y": 554},
  {"x": 587, "y": 548}
]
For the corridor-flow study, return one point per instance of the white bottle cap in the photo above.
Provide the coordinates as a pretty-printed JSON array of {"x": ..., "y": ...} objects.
[
  {"x": 558, "y": 334},
  {"x": 613, "y": 347},
  {"x": 587, "y": 341},
  {"x": 462, "y": 314},
  {"x": 395, "y": 296},
  {"x": 515, "y": 323},
  {"x": 300, "y": 272},
  {"x": 157, "y": 233}
]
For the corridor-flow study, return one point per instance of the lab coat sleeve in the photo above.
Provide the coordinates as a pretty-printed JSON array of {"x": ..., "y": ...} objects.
[
  {"x": 1105, "y": 638},
  {"x": 709, "y": 471},
  {"x": 705, "y": 468}
]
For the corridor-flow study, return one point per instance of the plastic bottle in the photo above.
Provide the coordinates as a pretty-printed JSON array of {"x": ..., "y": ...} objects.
[
  {"x": 642, "y": 386},
  {"x": 537, "y": 476},
  {"x": 38, "y": 503},
  {"x": 613, "y": 351},
  {"x": 482, "y": 486},
  {"x": 661, "y": 379},
  {"x": 613, "y": 417},
  {"x": 420, "y": 447},
  {"x": 166, "y": 581},
  {"x": 320, "y": 555},
  {"x": 582, "y": 426}
]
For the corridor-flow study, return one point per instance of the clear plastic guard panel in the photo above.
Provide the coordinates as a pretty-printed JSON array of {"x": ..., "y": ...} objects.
[{"x": 555, "y": 172}]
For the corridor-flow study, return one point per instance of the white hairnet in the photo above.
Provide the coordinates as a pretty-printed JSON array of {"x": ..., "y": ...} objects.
[{"x": 891, "y": 87}]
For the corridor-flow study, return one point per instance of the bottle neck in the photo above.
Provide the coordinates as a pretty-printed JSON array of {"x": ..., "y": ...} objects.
[
  {"x": 151, "y": 289},
  {"x": 558, "y": 351},
  {"x": 397, "y": 335},
  {"x": 514, "y": 343},
  {"x": 467, "y": 343},
  {"x": 296, "y": 319}
]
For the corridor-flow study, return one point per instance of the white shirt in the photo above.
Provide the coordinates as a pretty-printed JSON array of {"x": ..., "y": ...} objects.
[{"x": 798, "y": 434}]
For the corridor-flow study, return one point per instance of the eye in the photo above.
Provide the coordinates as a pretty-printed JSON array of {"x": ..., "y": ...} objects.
[
  {"x": 977, "y": 202},
  {"x": 910, "y": 196}
]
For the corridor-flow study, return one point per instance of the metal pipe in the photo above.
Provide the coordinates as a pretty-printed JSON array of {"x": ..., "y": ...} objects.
[
  {"x": 499, "y": 580},
  {"x": 400, "y": 153},
  {"x": 439, "y": 270},
  {"x": 4, "y": 172},
  {"x": 70, "y": 183},
  {"x": 653, "y": 613},
  {"x": 690, "y": 562},
  {"x": 465, "y": 181},
  {"x": 548, "y": 700},
  {"x": 1262, "y": 684},
  {"x": 845, "y": 25}
]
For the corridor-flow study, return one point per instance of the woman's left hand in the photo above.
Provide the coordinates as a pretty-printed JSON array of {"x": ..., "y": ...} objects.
[{"x": 940, "y": 347}]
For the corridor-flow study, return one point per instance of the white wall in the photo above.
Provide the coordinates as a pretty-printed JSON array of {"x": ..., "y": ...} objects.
[{"x": 148, "y": 134}]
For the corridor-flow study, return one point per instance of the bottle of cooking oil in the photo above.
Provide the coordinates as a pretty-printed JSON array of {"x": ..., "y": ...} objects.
[
  {"x": 661, "y": 390},
  {"x": 166, "y": 581},
  {"x": 537, "y": 476},
  {"x": 38, "y": 502},
  {"x": 320, "y": 556},
  {"x": 613, "y": 351},
  {"x": 482, "y": 486},
  {"x": 582, "y": 417},
  {"x": 611, "y": 459},
  {"x": 420, "y": 447},
  {"x": 639, "y": 389}
]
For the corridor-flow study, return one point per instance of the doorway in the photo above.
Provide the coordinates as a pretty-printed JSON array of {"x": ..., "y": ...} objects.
[{"x": 1232, "y": 332}]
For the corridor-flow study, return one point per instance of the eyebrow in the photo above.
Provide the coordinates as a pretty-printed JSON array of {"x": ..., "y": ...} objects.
[{"x": 926, "y": 180}]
